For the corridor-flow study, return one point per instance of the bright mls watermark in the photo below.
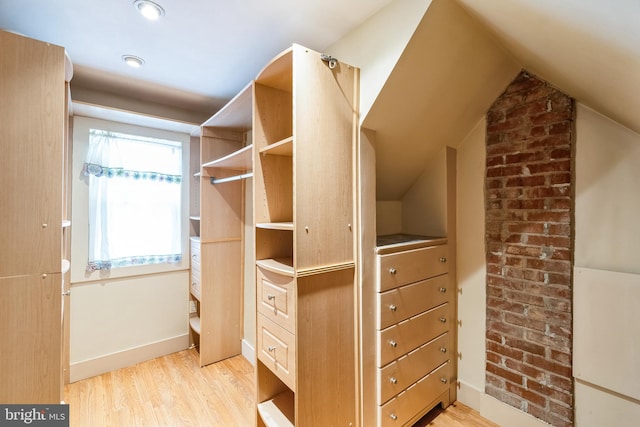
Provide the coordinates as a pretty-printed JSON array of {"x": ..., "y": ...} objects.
[{"x": 34, "y": 415}]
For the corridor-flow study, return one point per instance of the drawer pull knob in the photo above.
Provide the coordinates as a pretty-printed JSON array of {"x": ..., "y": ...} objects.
[
  {"x": 393, "y": 307},
  {"x": 443, "y": 290},
  {"x": 271, "y": 349},
  {"x": 393, "y": 416},
  {"x": 271, "y": 297},
  {"x": 393, "y": 380},
  {"x": 393, "y": 271},
  {"x": 443, "y": 350},
  {"x": 443, "y": 319},
  {"x": 443, "y": 259},
  {"x": 393, "y": 344},
  {"x": 443, "y": 380}
]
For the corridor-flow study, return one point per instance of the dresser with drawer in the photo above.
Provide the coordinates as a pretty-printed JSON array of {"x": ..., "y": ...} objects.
[{"x": 415, "y": 345}]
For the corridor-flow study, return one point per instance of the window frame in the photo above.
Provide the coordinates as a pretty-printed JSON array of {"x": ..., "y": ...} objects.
[{"x": 80, "y": 201}]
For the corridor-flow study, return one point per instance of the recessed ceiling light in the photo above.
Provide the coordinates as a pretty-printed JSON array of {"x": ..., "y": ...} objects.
[
  {"x": 133, "y": 61},
  {"x": 149, "y": 9}
]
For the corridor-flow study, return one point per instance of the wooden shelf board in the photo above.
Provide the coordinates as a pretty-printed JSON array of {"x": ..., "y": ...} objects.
[
  {"x": 194, "y": 218},
  {"x": 195, "y": 238},
  {"x": 277, "y": 73},
  {"x": 279, "y": 411},
  {"x": 282, "y": 266},
  {"x": 194, "y": 322},
  {"x": 287, "y": 226},
  {"x": 241, "y": 160},
  {"x": 197, "y": 296},
  {"x": 280, "y": 148},
  {"x": 236, "y": 114}
]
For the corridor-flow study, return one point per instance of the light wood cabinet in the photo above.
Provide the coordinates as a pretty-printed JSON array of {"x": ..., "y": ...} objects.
[
  {"x": 33, "y": 113},
  {"x": 415, "y": 346},
  {"x": 218, "y": 252},
  {"x": 305, "y": 121}
]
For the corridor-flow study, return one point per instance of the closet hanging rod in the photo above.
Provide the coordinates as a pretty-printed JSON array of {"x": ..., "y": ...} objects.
[{"x": 231, "y": 178}]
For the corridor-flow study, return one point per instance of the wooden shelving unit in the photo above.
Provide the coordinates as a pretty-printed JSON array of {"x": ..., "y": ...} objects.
[
  {"x": 226, "y": 156},
  {"x": 305, "y": 116}
]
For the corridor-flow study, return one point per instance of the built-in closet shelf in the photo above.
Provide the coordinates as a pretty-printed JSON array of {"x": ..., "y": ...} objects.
[
  {"x": 195, "y": 294},
  {"x": 195, "y": 239},
  {"x": 197, "y": 175},
  {"x": 194, "y": 218},
  {"x": 287, "y": 226},
  {"x": 280, "y": 148},
  {"x": 194, "y": 322},
  {"x": 282, "y": 266},
  {"x": 241, "y": 160},
  {"x": 66, "y": 223},
  {"x": 236, "y": 114},
  {"x": 279, "y": 411}
]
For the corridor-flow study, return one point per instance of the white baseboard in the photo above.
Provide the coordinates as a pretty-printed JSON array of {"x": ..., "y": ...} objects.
[
  {"x": 249, "y": 352},
  {"x": 494, "y": 410},
  {"x": 110, "y": 362}
]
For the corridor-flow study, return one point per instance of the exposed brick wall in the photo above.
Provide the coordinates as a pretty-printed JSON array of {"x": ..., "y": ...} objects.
[{"x": 529, "y": 201}]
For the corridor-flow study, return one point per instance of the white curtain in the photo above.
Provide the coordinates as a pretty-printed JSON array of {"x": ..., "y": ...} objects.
[{"x": 134, "y": 200}]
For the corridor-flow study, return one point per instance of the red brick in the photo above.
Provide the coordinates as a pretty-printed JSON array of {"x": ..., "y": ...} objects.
[
  {"x": 550, "y": 166},
  {"x": 560, "y": 128},
  {"x": 528, "y": 395},
  {"x": 525, "y": 346},
  {"x": 548, "y": 365},
  {"x": 502, "y": 350},
  {"x": 524, "y": 321},
  {"x": 504, "y": 305},
  {"x": 525, "y": 298},
  {"x": 508, "y": 375},
  {"x": 525, "y": 181}
]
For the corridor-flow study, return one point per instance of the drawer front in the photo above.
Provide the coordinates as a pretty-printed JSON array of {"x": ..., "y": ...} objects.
[
  {"x": 195, "y": 286},
  {"x": 406, "y": 301},
  {"x": 276, "y": 349},
  {"x": 410, "y": 266},
  {"x": 398, "y": 340},
  {"x": 407, "y": 405},
  {"x": 400, "y": 374},
  {"x": 195, "y": 254},
  {"x": 276, "y": 298}
]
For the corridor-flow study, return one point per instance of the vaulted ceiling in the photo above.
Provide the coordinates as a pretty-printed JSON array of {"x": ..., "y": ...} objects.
[{"x": 459, "y": 58}]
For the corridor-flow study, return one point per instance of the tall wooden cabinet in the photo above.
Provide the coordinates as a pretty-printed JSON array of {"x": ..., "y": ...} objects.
[
  {"x": 217, "y": 254},
  {"x": 305, "y": 122},
  {"x": 32, "y": 134}
]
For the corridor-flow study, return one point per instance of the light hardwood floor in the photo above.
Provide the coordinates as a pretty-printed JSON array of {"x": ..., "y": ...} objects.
[{"x": 174, "y": 391}]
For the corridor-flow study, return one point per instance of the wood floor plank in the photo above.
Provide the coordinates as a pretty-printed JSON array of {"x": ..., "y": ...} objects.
[{"x": 174, "y": 391}]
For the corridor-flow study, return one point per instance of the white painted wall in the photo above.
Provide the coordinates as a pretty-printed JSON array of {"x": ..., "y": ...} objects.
[
  {"x": 376, "y": 45},
  {"x": 607, "y": 273},
  {"x": 127, "y": 315}
]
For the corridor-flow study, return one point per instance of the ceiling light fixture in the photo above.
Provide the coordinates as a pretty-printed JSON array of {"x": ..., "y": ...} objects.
[
  {"x": 149, "y": 9},
  {"x": 133, "y": 61}
]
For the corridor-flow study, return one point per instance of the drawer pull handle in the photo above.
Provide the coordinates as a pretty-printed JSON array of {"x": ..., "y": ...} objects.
[
  {"x": 393, "y": 271},
  {"x": 393, "y": 416},
  {"x": 443, "y": 259},
  {"x": 271, "y": 349},
  {"x": 443, "y": 380},
  {"x": 393, "y": 307},
  {"x": 443, "y": 290},
  {"x": 271, "y": 297},
  {"x": 443, "y": 350},
  {"x": 393, "y": 344},
  {"x": 393, "y": 380},
  {"x": 443, "y": 319}
]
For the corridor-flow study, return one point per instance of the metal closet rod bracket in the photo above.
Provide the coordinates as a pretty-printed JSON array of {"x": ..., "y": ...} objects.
[{"x": 330, "y": 60}]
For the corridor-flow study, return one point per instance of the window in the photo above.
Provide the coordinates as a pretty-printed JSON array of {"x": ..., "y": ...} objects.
[{"x": 134, "y": 200}]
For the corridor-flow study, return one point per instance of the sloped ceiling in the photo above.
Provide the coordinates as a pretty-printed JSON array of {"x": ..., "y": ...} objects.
[
  {"x": 465, "y": 52},
  {"x": 445, "y": 80},
  {"x": 590, "y": 49}
]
